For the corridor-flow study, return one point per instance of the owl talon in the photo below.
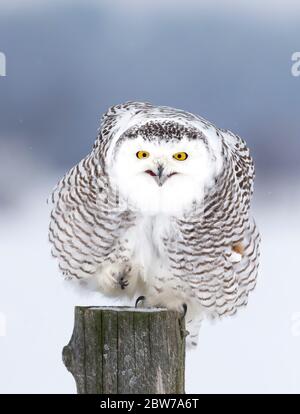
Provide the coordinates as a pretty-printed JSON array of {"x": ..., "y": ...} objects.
[
  {"x": 139, "y": 299},
  {"x": 184, "y": 306},
  {"x": 123, "y": 283}
]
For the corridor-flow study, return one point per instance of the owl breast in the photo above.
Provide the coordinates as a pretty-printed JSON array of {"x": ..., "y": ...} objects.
[{"x": 146, "y": 244}]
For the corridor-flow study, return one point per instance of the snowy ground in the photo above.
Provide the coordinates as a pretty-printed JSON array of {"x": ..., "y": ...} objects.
[{"x": 257, "y": 351}]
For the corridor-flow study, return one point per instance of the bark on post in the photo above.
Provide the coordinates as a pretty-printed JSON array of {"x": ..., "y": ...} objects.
[{"x": 119, "y": 350}]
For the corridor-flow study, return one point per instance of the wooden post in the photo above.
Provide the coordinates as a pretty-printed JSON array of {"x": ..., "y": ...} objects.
[{"x": 119, "y": 350}]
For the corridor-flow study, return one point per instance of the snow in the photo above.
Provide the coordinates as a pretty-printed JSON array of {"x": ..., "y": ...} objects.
[{"x": 127, "y": 308}]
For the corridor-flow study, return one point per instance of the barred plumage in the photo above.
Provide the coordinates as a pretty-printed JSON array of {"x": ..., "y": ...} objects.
[{"x": 182, "y": 236}]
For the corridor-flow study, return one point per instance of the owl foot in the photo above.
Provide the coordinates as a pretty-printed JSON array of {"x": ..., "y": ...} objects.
[
  {"x": 184, "y": 307},
  {"x": 139, "y": 299},
  {"x": 123, "y": 282},
  {"x": 116, "y": 278},
  {"x": 120, "y": 277}
]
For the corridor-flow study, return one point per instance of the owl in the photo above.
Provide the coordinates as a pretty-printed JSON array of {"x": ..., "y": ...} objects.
[{"x": 160, "y": 210}]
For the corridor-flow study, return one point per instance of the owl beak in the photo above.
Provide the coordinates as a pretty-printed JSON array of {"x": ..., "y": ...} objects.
[{"x": 160, "y": 177}]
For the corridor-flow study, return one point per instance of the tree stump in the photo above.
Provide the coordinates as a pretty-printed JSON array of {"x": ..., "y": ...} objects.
[{"x": 120, "y": 350}]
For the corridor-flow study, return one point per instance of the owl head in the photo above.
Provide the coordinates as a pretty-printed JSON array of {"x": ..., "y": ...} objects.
[{"x": 163, "y": 166}]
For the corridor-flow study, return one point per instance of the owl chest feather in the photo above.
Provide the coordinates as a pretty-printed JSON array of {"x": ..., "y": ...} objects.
[{"x": 146, "y": 243}]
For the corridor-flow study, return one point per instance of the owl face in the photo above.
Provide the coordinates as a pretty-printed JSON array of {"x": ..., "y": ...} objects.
[{"x": 159, "y": 176}]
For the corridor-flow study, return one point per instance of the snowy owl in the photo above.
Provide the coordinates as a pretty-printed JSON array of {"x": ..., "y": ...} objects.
[{"x": 160, "y": 209}]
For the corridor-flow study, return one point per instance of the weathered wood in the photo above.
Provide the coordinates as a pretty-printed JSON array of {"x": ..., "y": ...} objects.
[{"x": 118, "y": 350}]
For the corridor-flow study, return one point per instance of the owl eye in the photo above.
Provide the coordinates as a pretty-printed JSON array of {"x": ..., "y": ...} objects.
[
  {"x": 142, "y": 154},
  {"x": 180, "y": 156}
]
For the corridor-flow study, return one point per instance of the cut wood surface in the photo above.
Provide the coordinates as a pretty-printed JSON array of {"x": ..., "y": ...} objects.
[{"x": 121, "y": 350}]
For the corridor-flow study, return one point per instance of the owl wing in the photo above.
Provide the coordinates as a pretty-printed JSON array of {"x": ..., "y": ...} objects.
[
  {"x": 245, "y": 270},
  {"x": 86, "y": 217},
  {"x": 83, "y": 229},
  {"x": 205, "y": 254},
  {"x": 241, "y": 162},
  {"x": 239, "y": 228}
]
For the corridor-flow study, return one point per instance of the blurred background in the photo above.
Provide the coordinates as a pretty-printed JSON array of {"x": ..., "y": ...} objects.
[{"x": 67, "y": 61}]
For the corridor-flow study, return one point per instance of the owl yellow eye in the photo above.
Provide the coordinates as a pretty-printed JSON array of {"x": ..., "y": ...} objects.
[
  {"x": 180, "y": 156},
  {"x": 142, "y": 154}
]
